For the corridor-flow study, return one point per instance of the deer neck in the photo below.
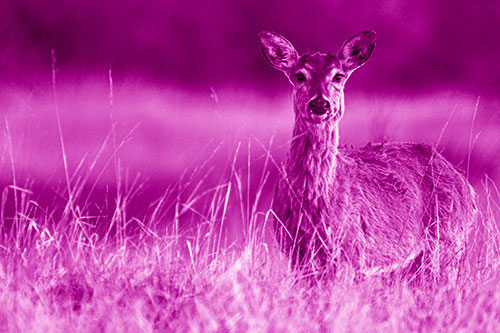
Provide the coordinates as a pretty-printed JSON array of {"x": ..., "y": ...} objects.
[{"x": 312, "y": 161}]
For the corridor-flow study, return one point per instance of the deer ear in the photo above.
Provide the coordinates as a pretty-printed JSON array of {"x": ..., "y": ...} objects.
[
  {"x": 278, "y": 51},
  {"x": 356, "y": 50}
]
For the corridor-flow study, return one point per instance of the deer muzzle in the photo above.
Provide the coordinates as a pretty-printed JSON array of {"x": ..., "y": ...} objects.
[{"x": 319, "y": 107}]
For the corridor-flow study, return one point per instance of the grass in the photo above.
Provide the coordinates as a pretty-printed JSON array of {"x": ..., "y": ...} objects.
[
  {"x": 200, "y": 256},
  {"x": 64, "y": 271}
]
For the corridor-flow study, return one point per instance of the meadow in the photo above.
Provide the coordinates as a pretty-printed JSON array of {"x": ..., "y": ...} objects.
[{"x": 133, "y": 207}]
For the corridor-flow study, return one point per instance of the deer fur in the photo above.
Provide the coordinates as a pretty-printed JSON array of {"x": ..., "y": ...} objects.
[{"x": 380, "y": 208}]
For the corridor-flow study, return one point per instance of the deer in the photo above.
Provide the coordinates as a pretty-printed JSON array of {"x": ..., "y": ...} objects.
[{"x": 383, "y": 208}]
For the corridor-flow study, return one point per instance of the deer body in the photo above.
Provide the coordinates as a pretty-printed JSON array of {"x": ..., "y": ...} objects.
[{"x": 380, "y": 207}]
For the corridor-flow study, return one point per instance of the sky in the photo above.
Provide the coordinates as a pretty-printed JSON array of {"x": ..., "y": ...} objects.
[{"x": 421, "y": 45}]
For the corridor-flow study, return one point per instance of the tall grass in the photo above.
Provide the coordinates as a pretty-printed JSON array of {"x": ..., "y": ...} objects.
[
  {"x": 202, "y": 258},
  {"x": 176, "y": 268}
]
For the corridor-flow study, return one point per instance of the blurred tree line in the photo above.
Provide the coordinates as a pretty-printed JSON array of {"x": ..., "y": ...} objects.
[{"x": 420, "y": 44}]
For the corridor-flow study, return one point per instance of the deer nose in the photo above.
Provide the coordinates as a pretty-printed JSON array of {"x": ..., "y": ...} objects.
[{"x": 319, "y": 106}]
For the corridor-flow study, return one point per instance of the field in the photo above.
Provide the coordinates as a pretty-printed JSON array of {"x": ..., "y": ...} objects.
[{"x": 133, "y": 207}]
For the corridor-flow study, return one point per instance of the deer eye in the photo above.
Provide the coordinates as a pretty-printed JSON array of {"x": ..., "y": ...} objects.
[
  {"x": 338, "y": 77},
  {"x": 299, "y": 77}
]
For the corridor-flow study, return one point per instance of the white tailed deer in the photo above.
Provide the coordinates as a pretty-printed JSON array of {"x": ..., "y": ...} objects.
[{"x": 380, "y": 208}]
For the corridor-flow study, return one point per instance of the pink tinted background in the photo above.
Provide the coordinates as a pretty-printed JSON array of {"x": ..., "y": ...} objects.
[
  {"x": 421, "y": 44},
  {"x": 189, "y": 77}
]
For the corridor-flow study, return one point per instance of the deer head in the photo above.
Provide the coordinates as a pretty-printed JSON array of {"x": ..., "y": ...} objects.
[{"x": 318, "y": 79}]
